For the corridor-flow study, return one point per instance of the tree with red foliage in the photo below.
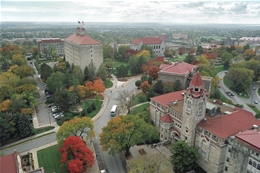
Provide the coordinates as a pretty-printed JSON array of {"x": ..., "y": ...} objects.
[
  {"x": 153, "y": 72},
  {"x": 75, "y": 156},
  {"x": 155, "y": 62},
  {"x": 210, "y": 55},
  {"x": 181, "y": 50},
  {"x": 89, "y": 88},
  {"x": 192, "y": 51},
  {"x": 99, "y": 86},
  {"x": 129, "y": 53}
]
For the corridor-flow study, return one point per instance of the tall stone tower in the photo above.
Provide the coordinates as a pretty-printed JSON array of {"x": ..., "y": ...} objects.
[{"x": 194, "y": 108}]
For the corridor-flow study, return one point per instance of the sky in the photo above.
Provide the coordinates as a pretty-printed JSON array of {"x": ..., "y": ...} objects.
[{"x": 166, "y": 11}]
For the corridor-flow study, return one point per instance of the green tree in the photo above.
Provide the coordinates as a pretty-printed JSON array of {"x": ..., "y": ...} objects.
[
  {"x": 183, "y": 157},
  {"x": 177, "y": 85},
  {"x": 138, "y": 83},
  {"x": 125, "y": 98},
  {"x": 121, "y": 71},
  {"x": 78, "y": 74},
  {"x": 158, "y": 87},
  {"x": 81, "y": 127},
  {"x": 6, "y": 129},
  {"x": 56, "y": 82},
  {"x": 189, "y": 58},
  {"x": 134, "y": 65},
  {"x": 123, "y": 132},
  {"x": 122, "y": 49},
  {"x": 239, "y": 86},
  {"x": 108, "y": 52},
  {"x": 226, "y": 64},
  {"x": 199, "y": 50},
  {"x": 246, "y": 75},
  {"x": 92, "y": 71},
  {"x": 62, "y": 97},
  {"x": 45, "y": 71},
  {"x": 150, "y": 94},
  {"x": 168, "y": 87},
  {"x": 226, "y": 56},
  {"x": 23, "y": 126},
  {"x": 102, "y": 72}
]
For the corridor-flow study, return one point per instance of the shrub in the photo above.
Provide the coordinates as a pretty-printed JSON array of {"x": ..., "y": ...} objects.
[
  {"x": 89, "y": 110},
  {"x": 142, "y": 98},
  {"x": 93, "y": 106}
]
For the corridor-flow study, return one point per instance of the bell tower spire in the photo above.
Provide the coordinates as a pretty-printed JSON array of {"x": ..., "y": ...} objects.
[{"x": 194, "y": 108}]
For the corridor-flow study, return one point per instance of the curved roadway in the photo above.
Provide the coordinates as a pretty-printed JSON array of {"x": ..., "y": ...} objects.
[{"x": 238, "y": 100}]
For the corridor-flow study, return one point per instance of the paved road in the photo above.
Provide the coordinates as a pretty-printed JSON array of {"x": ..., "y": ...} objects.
[
  {"x": 32, "y": 144},
  {"x": 43, "y": 112},
  {"x": 113, "y": 164},
  {"x": 235, "y": 99}
]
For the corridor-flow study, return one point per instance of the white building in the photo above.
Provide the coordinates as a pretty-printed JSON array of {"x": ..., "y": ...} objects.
[{"x": 80, "y": 49}]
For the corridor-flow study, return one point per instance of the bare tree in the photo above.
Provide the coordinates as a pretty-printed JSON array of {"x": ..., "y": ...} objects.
[{"x": 125, "y": 97}]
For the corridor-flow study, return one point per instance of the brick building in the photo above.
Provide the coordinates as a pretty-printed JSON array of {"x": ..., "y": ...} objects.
[
  {"x": 80, "y": 50},
  {"x": 189, "y": 115},
  {"x": 44, "y": 45}
]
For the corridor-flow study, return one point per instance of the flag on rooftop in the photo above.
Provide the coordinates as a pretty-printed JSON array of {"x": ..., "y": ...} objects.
[{"x": 78, "y": 22}]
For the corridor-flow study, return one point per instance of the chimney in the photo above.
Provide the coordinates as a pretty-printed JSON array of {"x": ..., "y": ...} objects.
[{"x": 77, "y": 30}]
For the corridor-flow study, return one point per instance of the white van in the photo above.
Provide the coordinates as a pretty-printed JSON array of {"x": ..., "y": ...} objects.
[{"x": 114, "y": 111}]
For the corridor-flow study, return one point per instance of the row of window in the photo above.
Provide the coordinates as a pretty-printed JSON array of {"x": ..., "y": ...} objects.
[{"x": 254, "y": 164}]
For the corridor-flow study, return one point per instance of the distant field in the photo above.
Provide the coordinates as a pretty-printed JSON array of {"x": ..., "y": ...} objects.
[{"x": 214, "y": 37}]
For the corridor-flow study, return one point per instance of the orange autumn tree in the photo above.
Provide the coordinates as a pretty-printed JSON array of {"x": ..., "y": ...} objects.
[
  {"x": 79, "y": 90},
  {"x": 4, "y": 105},
  {"x": 75, "y": 156},
  {"x": 99, "y": 86},
  {"x": 145, "y": 86},
  {"x": 153, "y": 72},
  {"x": 89, "y": 88}
]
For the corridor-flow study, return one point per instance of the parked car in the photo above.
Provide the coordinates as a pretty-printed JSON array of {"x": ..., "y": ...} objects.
[
  {"x": 255, "y": 101},
  {"x": 254, "y": 88},
  {"x": 51, "y": 105},
  {"x": 59, "y": 116}
]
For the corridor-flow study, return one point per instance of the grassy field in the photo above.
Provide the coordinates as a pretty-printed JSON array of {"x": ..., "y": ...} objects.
[
  {"x": 136, "y": 100},
  {"x": 139, "y": 108},
  {"x": 218, "y": 69},
  {"x": 49, "y": 158},
  {"x": 88, "y": 103}
]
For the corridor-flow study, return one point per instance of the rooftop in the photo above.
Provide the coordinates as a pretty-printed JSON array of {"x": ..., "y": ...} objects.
[
  {"x": 177, "y": 68},
  {"x": 9, "y": 162},
  {"x": 227, "y": 125},
  {"x": 250, "y": 137},
  {"x": 197, "y": 81},
  {"x": 147, "y": 40},
  {"x": 82, "y": 40}
]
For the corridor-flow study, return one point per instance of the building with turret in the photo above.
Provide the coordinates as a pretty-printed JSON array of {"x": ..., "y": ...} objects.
[
  {"x": 189, "y": 115},
  {"x": 80, "y": 49}
]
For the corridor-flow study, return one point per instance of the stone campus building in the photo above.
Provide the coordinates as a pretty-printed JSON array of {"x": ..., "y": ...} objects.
[
  {"x": 81, "y": 49},
  {"x": 228, "y": 137}
]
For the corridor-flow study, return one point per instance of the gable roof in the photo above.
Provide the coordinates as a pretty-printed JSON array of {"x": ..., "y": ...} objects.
[
  {"x": 197, "y": 81},
  {"x": 227, "y": 125},
  {"x": 178, "y": 68},
  {"x": 250, "y": 137},
  {"x": 169, "y": 97},
  {"x": 82, "y": 40},
  {"x": 167, "y": 118},
  {"x": 147, "y": 40},
  {"x": 8, "y": 164}
]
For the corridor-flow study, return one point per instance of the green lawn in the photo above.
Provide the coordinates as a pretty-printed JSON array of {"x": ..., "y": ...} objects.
[
  {"x": 49, "y": 158},
  {"x": 117, "y": 64},
  {"x": 180, "y": 58},
  {"x": 44, "y": 129},
  {"x": 139, "y": 108},
  {"x": 139, "y": 98},
  {"x": 89, "y": 102},
  {"x": 218, "y": 69}
]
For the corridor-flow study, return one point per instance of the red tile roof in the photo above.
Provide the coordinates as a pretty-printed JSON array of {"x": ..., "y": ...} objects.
[
  {"x": 162, "y": 66},
  {"x": 227, "y": 125},
  {"x": 197, "y": 81},
  {"x": 147, "y": 40},
  {"x": 251, "y": 137},
  {"x": 82, "y": 40},
  {"x": 178, "y": 68},
  {"x": 51, "y": 41},
  {"x": 169, "y": 97},
  {"x": 8, "y": 164},
  {"x": 167, "y": 118}
]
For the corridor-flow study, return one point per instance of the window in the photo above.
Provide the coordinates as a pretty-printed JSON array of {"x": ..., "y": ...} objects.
[
  {"x": 257, "y": 154},
  {"x": 258, "y": 166},
  {"x": 229, "y": 149},
  {"x": 247, "y": 171},
  {"x": 254, "y": 164},
  {"x": 187, "y": 130},
  {"x": 227, "y": 159},
  {"x": 186, "y": 138},
  {"x": 250, "y": 162},
  {"x": 226, "y": 168}
]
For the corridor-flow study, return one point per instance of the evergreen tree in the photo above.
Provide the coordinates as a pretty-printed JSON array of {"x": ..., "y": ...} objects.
[
  {"x": 158, "y": 87},
  {"x": 177, "y": 85},
  {"x": 138, "y": 83},
  {"x": 239, "y": 86},
  {"x": 23, "y": 125},
  {"x": 150, "y": 94}
]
